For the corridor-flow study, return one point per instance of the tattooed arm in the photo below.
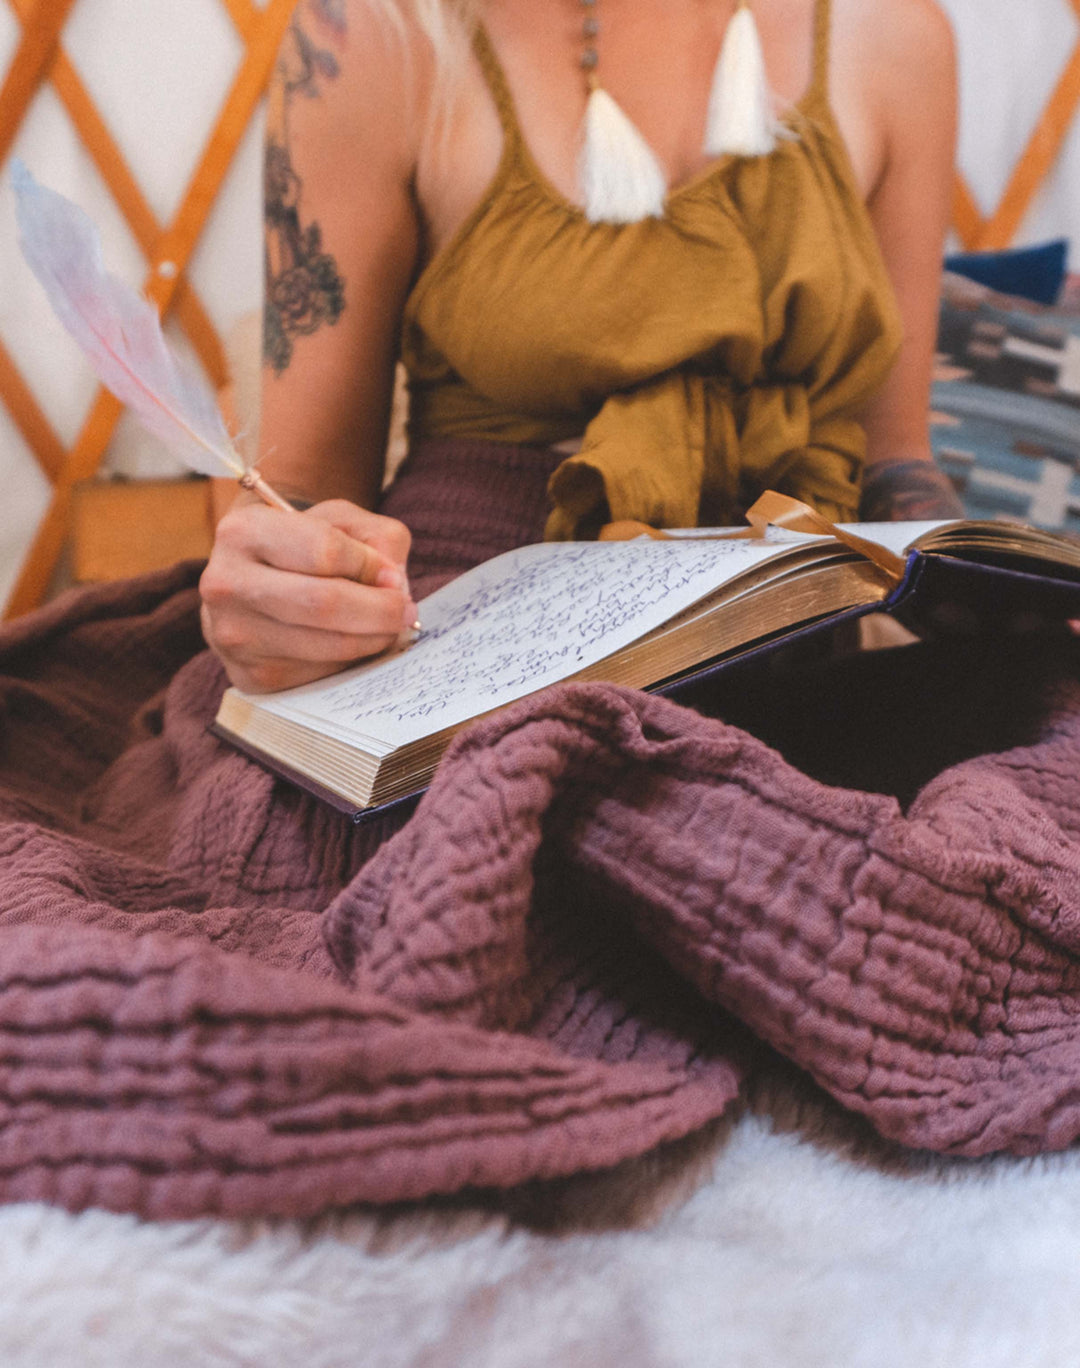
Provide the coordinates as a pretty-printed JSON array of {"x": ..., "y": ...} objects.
[
  {"x": 288, "y": 599},
  {"x": 894, "y": 77}
]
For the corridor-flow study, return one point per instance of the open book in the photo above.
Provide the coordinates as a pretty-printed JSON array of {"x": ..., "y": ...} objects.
[{"x": 641, "y": 613}]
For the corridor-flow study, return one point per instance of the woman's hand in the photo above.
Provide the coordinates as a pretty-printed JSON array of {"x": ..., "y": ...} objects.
[
  {"x": 289, "y": 598},
  {"x": 894, "y": 491}
]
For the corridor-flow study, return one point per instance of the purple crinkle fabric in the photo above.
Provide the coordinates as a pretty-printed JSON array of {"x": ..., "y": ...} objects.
[{"x": 218, "y": 996}]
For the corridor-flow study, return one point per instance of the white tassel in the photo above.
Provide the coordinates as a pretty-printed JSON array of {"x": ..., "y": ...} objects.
[
  {"x": 740, "y": 119},
  {"x": 621, "y": 180}
]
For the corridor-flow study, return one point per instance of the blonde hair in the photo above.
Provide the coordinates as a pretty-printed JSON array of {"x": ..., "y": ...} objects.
[{"x": 446, "y": 24}]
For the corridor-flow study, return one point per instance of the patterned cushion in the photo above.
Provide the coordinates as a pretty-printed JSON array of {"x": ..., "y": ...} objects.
[
  {"x": 1005, "y": 422},
  {"x": 1036, "y": 273}
]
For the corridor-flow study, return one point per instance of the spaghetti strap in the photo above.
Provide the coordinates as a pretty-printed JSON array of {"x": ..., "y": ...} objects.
[
  {"x": 496, "y": 81},
  {"x": 819, "y": 78}
]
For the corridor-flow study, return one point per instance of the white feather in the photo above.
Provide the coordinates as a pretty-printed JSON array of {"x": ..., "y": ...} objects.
[
  {"x": 118, "y": 329},
  {"x": 620, "y": 177},
  {"x": 740, "y": 119}
]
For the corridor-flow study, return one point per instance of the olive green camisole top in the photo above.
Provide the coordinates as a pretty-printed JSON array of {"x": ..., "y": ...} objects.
[{"x": 720, "y": 350}]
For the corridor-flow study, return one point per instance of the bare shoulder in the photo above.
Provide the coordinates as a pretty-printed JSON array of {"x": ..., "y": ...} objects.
[
  {"x": 893, "y": 73},
  {"x": 904, "y": 47},
  {"x": 356, "y": 72}
]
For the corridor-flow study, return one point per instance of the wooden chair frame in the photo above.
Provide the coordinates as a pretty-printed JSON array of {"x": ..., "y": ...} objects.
[{"x": 40, "y": 57}]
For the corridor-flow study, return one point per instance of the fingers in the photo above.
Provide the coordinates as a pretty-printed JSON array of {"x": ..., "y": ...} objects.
[
  {"x": 289, "y": 598},
  {"x": 385, "y": 535},
  {"x": 261, "y": 653},
  {"x": 324, "y": 654},
  {"x": 326, "y": 541},
  {"x": 249, "y": 636},
  {"x": 328, "y": 605}
]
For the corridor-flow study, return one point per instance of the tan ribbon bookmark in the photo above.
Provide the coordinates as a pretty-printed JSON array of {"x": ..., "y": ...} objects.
[{"x": 778, "y": 510}]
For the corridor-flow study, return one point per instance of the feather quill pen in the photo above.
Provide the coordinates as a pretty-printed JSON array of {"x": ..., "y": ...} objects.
[{"x": 121, "y": 336}]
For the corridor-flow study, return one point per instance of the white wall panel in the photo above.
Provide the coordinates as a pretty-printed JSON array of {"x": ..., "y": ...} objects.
[
  {"x": 49, "y": 361},
  {"x": 1011, "y": 53},
  {"x": 9, "y": 34},
  {"x": 158, "y": 71},
  {"x": 1056, "y": 211},
  {"x": 227, "y": 265}
]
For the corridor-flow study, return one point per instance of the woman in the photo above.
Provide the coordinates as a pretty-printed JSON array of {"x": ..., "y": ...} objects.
[
  {"x": 422, "y": 193},
  {"x": 536, "y": 960}
]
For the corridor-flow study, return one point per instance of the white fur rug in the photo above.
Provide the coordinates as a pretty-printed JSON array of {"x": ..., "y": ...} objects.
[{"x": 747, "y": 1248}]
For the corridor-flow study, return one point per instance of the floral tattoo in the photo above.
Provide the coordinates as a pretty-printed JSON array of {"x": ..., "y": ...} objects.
[{"x": 304, "y": 289}]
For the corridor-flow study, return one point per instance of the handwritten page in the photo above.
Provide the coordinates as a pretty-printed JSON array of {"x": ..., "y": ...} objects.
[{"x": 517, "y": 624}]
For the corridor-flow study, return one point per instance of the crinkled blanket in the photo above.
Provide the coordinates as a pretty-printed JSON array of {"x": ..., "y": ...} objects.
[{"x": 219, "y": 996}]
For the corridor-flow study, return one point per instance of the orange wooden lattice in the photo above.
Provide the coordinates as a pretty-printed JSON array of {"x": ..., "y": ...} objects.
[
  {"x": 40, "y": 57},
  {"x": 997, "y": 230}
]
